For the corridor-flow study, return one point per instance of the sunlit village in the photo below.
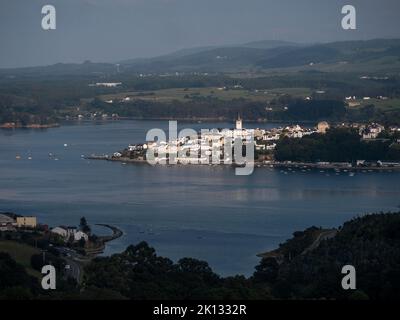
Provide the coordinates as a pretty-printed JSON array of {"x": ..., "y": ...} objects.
[{"x": 208, "y": 145}]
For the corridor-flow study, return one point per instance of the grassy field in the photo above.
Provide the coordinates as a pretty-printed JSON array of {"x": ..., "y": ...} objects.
[
  {"x": 389, "y": 104},
  {"x": 185, "y": 94},
  {"x": 384, "y": 105},
  {"x": 21, "y": 253}
]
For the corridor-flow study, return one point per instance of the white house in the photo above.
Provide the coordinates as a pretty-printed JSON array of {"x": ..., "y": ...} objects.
[
  {"x": 61, "y": 231},
  {"x": 78, "y": 235},
  {"x": 108, "y": 84},
  {"x": 372, "y": 131},
  {"x": 7, "y": 223},
  {"x": 69, "y": 232}
]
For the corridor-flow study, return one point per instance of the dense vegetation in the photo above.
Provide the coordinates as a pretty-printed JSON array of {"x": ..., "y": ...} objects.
[
  {"x": 298, "y": 269},
  {"x": 138, "y": 273},
  {"x": 15, "y": 283},
  {"x": 370, "y": 243},
  {"x": 337, "y": 145},
  {"x": 212, "y": 108},
  {"x": 47, "y": 94}
]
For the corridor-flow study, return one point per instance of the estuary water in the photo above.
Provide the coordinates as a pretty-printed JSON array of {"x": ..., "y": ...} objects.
[{"x": 204, "y": 212}]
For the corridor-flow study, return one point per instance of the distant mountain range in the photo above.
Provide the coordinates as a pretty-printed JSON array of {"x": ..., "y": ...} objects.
[
  {"x": 379, "y": 55},
  {"x": 266, "y": 55},
  {"x": 211, "y": 58}
]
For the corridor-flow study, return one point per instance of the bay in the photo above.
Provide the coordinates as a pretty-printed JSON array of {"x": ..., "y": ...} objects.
[{"x": 204, "y": 212}]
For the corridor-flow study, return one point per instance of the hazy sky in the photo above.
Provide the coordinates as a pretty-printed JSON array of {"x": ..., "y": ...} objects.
[{"x": 111, "y": 30}]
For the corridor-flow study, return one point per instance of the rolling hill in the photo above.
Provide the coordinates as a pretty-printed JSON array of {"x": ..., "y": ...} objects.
[
  {"x": 379, "y": 55},
  {"x": 266, "y": 55}
]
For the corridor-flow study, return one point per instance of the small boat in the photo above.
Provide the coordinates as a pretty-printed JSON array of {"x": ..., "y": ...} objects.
[{"x": 18, "y": 157}]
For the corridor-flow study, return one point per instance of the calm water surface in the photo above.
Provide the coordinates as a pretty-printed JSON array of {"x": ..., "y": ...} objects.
[{"x": 201, "y": 212}]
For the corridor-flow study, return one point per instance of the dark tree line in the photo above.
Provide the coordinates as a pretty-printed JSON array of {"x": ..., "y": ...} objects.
[
  {"x": 370, "y": 243},
  {"x": 337, "y": 145}
]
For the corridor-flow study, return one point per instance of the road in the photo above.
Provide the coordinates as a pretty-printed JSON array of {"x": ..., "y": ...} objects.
[
  {"x": 329, "y": 234},
  {"x": 76, "y": 261},
  {"x": 72, "y": 259},
  {"x": 74, "y": 271}
]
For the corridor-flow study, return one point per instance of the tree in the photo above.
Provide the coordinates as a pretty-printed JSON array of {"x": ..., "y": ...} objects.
[
  {"x": 267, "y": 270},
  {"x": 13, "y": 275},
  {"x": 82, "y": 242},
  {"x": 84, "y": 227}
]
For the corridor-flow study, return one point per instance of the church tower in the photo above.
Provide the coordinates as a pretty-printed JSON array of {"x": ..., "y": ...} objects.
[{"x": 239, "y": 124}]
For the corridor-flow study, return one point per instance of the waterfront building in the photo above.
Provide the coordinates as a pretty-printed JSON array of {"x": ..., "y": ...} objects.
[
  {"x": 26, "y": 222},
  {"x": 68, "y": 233},
  {"x": 7, "y": 223},
  {"x": 322, "y": 127}
]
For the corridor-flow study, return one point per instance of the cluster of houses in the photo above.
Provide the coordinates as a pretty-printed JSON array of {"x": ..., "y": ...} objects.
[
  {"x": 106, "y": 84},
  {"x": 266, "y": 139},
  {"x": 200, "y": 147},
  {"x": 194, "y": 147},
  {"x": 72, "y": 234},
  {"x": 94, "y": 116},
  {"x": 370, "y": 131},
  {"x": 353, "y": 101},
  {"x": 12, "y": 222}
]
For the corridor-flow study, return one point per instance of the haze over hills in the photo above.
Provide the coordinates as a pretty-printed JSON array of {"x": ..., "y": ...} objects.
[
  {"x": 264, "y": 44},
  {"x": 266, "y": 55},
  {"x": 378, "y": 55}
]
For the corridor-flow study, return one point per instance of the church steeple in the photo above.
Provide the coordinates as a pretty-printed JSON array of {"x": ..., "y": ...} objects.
[{"x": 239, "y": 123}]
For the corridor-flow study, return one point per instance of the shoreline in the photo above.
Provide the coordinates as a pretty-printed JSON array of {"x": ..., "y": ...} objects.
[
  {"x": 333, "y": 166},
  {"x": 13, "y": 125},
  {"x": 345, "y": 167}
]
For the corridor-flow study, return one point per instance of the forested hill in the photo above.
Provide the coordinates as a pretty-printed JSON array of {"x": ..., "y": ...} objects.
[{"x": 370, "y": 243}]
